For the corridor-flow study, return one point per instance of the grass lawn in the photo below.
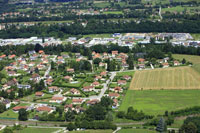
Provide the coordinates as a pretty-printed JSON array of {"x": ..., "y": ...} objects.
[
  {"x": 97, "y": 35},
  {"x": 154, "y": 102},
  {"x": 130, "y": 73},
  {"x": 93, "y": 131},
  {"x": 196, "y": 36},
  {"x": 37, "y": 130},
  {"x": 102, "y": 5},
  {"x": 113, "y": 12},
  {"x": 166, "y": 78},
  {"x": 136, "y": 131},
  {"x": 10, "y": 113},
  {"x": 195, "y": 59},
  {"x": 32, "y": 97}
]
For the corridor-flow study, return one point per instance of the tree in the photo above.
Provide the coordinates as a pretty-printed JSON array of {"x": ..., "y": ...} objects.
[
  {"x": 161, "y": 127},
  {"x": 38, "y": 47},
  {"x": 152, "y": 40},
  {"x": 23, "y": 115},
  {"x": 7, "y": 130},
  {"x": 2, "y": 107},
  {"x": 183, "y": 61},
  {"x": 69, "y": 115},
  {"x": 189, "y": 128},
  {"x": 71, "y": 126},
  {"x": 97, "y": 60},
  {"x": 12, "y": 95},
  {"x": 121, "y": 114},
  {"x": 106, "y": 102},
  {"x": 95, "y": 112},
  {"x": 109, "y": 117},
  {"x": 3, "y": 80}
]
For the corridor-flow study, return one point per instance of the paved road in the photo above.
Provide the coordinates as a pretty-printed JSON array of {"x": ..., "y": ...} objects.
[
  {"x": 118, "y": 128},
  {"x": 105, "y": 87}
]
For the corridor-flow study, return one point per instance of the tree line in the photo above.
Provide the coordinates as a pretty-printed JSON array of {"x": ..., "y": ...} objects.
[{"x": 65, "y": 30}]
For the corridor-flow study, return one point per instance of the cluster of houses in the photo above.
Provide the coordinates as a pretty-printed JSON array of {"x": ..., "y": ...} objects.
[
  {"x": 119, "y": 57},
  {"x": 165, "y": 62}
]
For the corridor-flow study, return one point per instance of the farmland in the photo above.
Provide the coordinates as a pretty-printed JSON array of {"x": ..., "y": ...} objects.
[
  {"x": 37, "y": 130},
  {"x": 168, "y": 78},
  {"x": 136, "y": 131},
  {"x": 156, "y": 102},
  {"x": 191, "y": 58}
]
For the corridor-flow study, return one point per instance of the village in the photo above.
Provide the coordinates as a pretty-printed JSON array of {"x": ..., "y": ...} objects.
[{"x": 38, "y": 82}]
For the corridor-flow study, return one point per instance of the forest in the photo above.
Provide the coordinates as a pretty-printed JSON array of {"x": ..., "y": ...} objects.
[{"x": 66, "y": 30}]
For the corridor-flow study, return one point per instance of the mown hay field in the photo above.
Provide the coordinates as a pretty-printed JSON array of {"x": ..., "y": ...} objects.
[
  {"x": 156, "y": 102},
  {"x": 166, "y": 78}
]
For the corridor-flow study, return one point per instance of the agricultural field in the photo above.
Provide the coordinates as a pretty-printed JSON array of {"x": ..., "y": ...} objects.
[
  {"x": 93, "y": 131},
  {"x": 136, "y": 131},
  {"x": 195, "y": 59},
  {"x": 166, "y": 78},
  {"x": 113, "y": 12},
  {"x": 36, "y": 130},
  {"x": 181, "y": 9},
  {"x": 154, "y": 102}
]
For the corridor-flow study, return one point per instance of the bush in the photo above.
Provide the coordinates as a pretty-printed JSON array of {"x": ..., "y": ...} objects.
[{"x": 71, "y": 127}]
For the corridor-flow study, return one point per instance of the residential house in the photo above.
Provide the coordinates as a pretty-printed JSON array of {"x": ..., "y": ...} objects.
[
  {"x": 35, "y": 77},
  {"x": 17, "y": 108},
  {"x": 141, "y": 60},
  {"x": 58, "y": 99},
  {"x": 12, "y": 73},
  {"x": 70, "y": 70},
  {"x": 141, "y": 66},
  {"x": 115, "y": 103},
  {"x": 68, "y": 78},
  {"x": 126, "y": 77},
  {"x": 75, "y": 91},
  {"x": 21, "y": 86},
  {"x": 49, "y": 81},
  {"x": 114, "y": 53},
  {"x": 113, "y": 95},
  {"x": 103, "y": 74},
  {"x": 121, "y": 82},
  {"x": 39, "y": 94},
  {"x": 117, "y": 89},
  {"x": 44, "y": 109},
  {"x": 68, "y": 107},
  {"x": 92, "y": 102},
  {"x": 12, "y": 82},
  {"x": 95, "y": 84},
  {"x": 11, "y": 56},
  {"x": 176, "y": 63},
  {"x": 53, "y": 89},
  {"x": 77, "y": 101},
  {"x": 88, "y": 88},
  {"x": 165, "y": 65}
]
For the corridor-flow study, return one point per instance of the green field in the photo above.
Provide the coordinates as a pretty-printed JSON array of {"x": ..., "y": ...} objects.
[
  {"x": 156, "y": 102},
  {"x": 10, "y": 113},
  {"x": 113, "y": 12},
  {"x": 180, "y": 9},
  {"x": 195, "y": 59},
  {"x": 136, "y": 131},
  {"x": 98, "y": 35},
  {"x": 93, "y": 131},
  {"x": 37, "y": 130},
  {"x": 166, "y": 78}
]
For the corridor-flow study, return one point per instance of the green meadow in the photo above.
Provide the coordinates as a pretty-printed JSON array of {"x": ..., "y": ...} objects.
[{"x": 154, "y": 102}]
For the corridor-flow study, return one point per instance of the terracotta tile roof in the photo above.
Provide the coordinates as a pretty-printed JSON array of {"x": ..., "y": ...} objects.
[{"x": 44, "y": 108}]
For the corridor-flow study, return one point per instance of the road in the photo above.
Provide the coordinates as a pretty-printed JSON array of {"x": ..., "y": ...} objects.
[
  {"x": 160, "y": 13},
  {"x": 105, "y": 87}
]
